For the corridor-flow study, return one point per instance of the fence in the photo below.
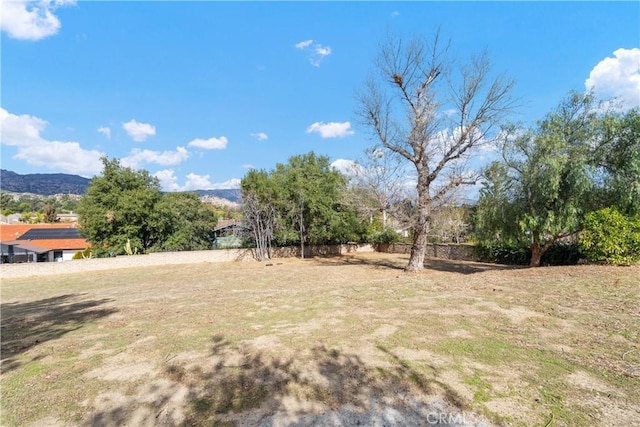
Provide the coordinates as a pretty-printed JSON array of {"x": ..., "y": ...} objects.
[{"x": 446, "y": 251}]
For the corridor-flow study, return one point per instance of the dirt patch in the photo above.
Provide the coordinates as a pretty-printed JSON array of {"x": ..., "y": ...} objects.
[{"x": 589, "y": 382}]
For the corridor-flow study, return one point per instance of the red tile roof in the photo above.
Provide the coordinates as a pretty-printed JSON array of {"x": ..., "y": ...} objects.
[
  {"x": 9, "y": 232},
  {"x": 61, "y": 244},
  {"x": 13, "y": 231}
]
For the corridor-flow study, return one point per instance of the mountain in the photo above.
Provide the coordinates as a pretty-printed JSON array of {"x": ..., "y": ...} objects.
[
  {"x": 48, "y": 184},
  {"x": 233, "y": 195},
  {"x": 45, "y": 184}
]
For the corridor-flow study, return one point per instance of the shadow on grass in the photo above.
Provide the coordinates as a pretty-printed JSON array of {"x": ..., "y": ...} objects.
[
  {"x": 439, "y": 264},
  {"x": 28, "y": 324},
  {"x": 394, "y": 264},
  {"x": 465, "y": 267},
  {"x": 238, "y": 385}
]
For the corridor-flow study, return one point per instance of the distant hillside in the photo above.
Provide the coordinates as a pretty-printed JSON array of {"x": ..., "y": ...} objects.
[
  {"x": 48, "y": 184},
  {"x": 233, "y": 195},
  {"x": 45, "y": 184}
]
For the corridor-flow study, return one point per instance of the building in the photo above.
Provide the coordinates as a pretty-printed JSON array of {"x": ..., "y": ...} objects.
[
  {"x": 228, "y": 234},
  {"x": 40, "y": 242}
]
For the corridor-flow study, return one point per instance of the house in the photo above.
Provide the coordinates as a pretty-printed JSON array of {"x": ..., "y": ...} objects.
[
  {"x": 40, "y": 242},
  {"x": 228, "y": 234}
]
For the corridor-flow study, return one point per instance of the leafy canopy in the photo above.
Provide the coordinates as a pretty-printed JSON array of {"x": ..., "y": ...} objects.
[
  {"x": 124, "y": 205},
  {"x": 307, "y": 196},
  {"x": 538, "y": 193}
]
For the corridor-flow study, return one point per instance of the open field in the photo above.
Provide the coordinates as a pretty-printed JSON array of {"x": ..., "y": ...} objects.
[{"x": 325, "y": 341}]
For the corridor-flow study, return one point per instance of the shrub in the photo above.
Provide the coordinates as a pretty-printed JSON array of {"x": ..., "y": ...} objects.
[
  {"x": 85, "y": 254},
  {"x": 562, "y": 254},
  {"x": 503, "y": 254},
  {"x": 386, "y": 236},
  {"x": 558, "y": 254},
  {"x": 611, "y": 237}
]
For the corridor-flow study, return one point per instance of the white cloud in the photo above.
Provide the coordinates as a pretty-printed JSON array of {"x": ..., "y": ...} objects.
[
  {"x": 169, "y": 182},
  {"x": 139, "y": 157},
  {"x": 346, "y": 167},
  {"x": 395, "y": 13},
  {"x": 202, "y": 182},
  {"x": 197, "y": 182},
  {"x": 106, "y": 131},
  {"x": 322, "y": 50},
  {"x": 139, "y": 131},
  {"x": 261, "y": 136},
  {"x": 248, "y": 166},
  {"x": 303, "y": 44},
  {"x": 233, "y": 183},
  {"x": 23, "y": 132},
  {"x": 450, "y": 112},
  {"x": 317, "y": 52},
  {"x": 618, "y": 77},
  {"x": 30, "y": 20},
  {"x": 63, "y": 156},
  {"x": 210, "y": 144},
  {"x": 331, "y": 130},
  {"x": 20, "y": 130}
]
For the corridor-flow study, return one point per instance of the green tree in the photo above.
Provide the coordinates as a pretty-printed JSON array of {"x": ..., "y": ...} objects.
[
  {"x": 119, "y": 206},
  {"x": 433, "y": 115},
  {"x": 49, "y": 213},
  {"x": 310, "y": 196},
  {"x": 617, "y": 157},
  {"x": 186, "y": 223},
  {"x": 7, "y": 203},
  {"x": 539, "y": 193},
  {"x": 494, "y": 214},
  {"x": 306, "y": 195},
  {"x": 610, "y": 236}
]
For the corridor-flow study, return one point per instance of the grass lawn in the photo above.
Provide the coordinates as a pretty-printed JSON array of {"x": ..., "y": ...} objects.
[{"x": 331, "y": 341}]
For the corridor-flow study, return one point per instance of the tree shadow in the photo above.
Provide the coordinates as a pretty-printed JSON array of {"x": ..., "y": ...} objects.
[
  {"x": 394, "y": 264},
  {"x": 28, "y": 324},
  {"x": 465, "y": 267},
  {"x": 240, "y": 385},
  {"x": 438, "y": 264}
]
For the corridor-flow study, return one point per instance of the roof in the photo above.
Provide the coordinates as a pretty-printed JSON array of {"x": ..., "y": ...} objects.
[
  {"x": 25, "y": 246},
  {"x": 43, "y": 237},
  {"x": 228, "y": 225},
  {"x": 13, "y": 231},
  {"x": 60, "y": 244},
  {"x": 51, "y": 233}
]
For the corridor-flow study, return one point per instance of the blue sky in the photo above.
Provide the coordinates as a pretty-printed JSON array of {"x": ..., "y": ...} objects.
[{"x": 198, "y": 92}]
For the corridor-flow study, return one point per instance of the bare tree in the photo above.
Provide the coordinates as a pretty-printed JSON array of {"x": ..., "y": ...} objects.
[
  {"x": 448, "y": 223},
  {"x": 260, "y": 220},
  {"x": 433, "y": 114},
  {"x": 377, "y": 183}
]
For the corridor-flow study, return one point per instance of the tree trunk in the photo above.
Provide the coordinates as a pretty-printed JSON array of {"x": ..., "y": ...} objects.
[
  {"x": 301, "y": 237},
  {"x": 537, "y": 251},
  {"x": 421, "y": 231},
  {"x": 536, "y": 255}
]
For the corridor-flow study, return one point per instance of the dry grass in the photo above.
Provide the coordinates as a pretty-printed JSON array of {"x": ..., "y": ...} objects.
[{"x": 327, "y": 340}]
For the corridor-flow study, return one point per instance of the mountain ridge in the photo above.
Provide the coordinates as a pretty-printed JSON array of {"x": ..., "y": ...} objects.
[{"x": 49, "y": 184}]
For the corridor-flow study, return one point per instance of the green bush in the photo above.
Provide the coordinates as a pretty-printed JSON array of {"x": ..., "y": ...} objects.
[
  {"x": 386, "y": 236},
  {"x": 503, "y": 254},
  {"x": 611, "y": 237},
  {"x": 562, "y": 254},
  {"x": 85, "y": 254},
  {"x": 558, "y": 254}
]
